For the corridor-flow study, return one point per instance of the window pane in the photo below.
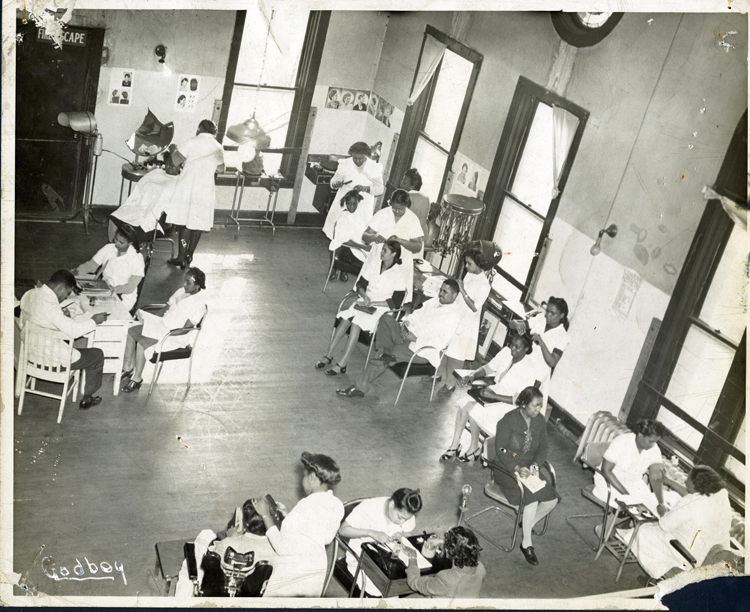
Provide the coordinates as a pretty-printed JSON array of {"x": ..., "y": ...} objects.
[
  {"x": 431, "y": 162},
  {"x": 282, "y": 53},
  {"x": 724, "y": 308},
  {"x": 534, "y": 179},
  {"x": 272, "y": 110},
  {"x": 448, "y": 99},
  {"x": 690, "y": 436},
  {"x": 517, "y": 233},
  {"x": 698, "y": 378},
  {"x": 734, "y": 466}
]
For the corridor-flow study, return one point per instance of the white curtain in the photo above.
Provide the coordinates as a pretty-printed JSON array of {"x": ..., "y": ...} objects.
[
  {"x": 564, "y": 126},
  {"x": 432, "y": 54}
]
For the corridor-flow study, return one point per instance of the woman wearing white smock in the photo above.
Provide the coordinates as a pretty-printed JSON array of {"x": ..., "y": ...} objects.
[
  {"x": 185, "y": 308},
  {"x": 357, "y": 172},
  {"x": 380, "y": 287},
  {"x": 382, "y": 520},
  {"x": 194, "y": 198},
  {"x": 397, "y": 222},
  {"x": 700, "y": 520},
  {"x": 549, "y": 331},
  {"x": 299, "y": 568},
  {"x": 475, "y": 289},
  {"x": 122, "y": 266},
  {"x": 346, "y": 246}
]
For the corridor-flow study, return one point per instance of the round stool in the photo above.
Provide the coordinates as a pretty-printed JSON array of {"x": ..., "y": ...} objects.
[
  {"x": 132, "y": 175},
  {"x": 458, "y": 220}
]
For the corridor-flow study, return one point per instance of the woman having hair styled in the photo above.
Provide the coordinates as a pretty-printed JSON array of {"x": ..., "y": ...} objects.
[
  {"x": 122, "y": 266},
  {"x": 300, "y": 564},
  {"x": 185, "y": 308},
  {"x": 700, "y": 520},
  {"x": 521, "y": 447},
  {"x": 360, "y": 173},
  {"x": 513, "y": 371},
  {"x": 347, "y": 248},
  {"x": 383, "y": 520},
  {"x": 194, "y": 198},
  {"x": 475, "y": 289},
  {"x": 381, "y": 286},
  {"x": 463, "y": 580},
  {"x": 549, "y": 331}
]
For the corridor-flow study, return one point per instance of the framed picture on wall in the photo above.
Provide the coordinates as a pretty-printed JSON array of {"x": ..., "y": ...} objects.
[{"x": 487, "y": 330}]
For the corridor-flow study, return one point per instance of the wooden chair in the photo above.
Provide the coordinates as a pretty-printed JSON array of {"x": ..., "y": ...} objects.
[
  {"x": 337, "y": 567},
  {"x": 601, "y": 429},
  {"x": 493, "y": 491},
  {"x": 160, "y": 355},
  {"x": 46, "y": 355}
]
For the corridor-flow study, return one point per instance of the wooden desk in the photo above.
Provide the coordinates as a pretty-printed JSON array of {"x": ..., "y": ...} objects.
[{"x": 394, "y": 584}]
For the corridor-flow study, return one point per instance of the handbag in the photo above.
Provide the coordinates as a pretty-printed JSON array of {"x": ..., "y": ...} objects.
[{"x": 394, "y": 569}]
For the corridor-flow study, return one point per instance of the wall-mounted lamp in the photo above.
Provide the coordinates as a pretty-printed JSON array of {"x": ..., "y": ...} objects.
[
  {"x": 611, "y": 231},
  {"x": 161, "y": 53}
]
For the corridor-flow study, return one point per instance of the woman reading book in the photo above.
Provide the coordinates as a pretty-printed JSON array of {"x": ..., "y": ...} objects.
[
  {"x": 381, "y": 286},
  {"x": 185, "y": 308}
]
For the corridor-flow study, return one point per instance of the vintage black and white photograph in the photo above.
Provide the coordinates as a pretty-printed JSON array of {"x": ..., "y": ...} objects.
[{"x": 492, "y": 356}]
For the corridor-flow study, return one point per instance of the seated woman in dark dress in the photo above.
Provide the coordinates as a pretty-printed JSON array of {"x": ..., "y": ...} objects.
[{"x": 521, "y": 447}]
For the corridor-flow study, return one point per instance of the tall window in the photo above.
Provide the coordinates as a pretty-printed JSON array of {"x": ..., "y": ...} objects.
[
  {"x": 539, "y": 142},
  {"x": 443, "y": 86}
]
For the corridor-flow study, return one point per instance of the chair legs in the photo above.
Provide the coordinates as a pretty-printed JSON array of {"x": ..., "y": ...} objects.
[
  {"x": 602, "y": 516},
  {"x": 406, "y": 374},
  {"x": 157, "y": 373},
  {"x": 330, "y": 269},
  {"x": 499, "y": 510}
]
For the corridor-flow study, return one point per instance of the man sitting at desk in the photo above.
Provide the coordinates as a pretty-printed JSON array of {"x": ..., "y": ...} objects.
[
  {"x": 433, "y": 326},
  {"x": 41, "y": 306}
]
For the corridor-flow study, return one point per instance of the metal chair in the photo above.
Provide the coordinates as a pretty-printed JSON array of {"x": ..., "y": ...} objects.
[
  {"x": 493, "y": 491},
  {"x": 160, "y": 355},
  {"x": 337, "y": 567},
  {"x": 405, "y": 369},
  {"x": 46, "y": 355},
  {"x": 601, "y": 429}
]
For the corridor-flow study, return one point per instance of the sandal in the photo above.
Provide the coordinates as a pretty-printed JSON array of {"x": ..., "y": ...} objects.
[
  {"x": 126, "y": 374},
  {"x": 326, "y": 361},
  {"x": 333, "y": 371},
  {"x": 469, "y": 457},
  {"x": 132, "y": 385},
  {"x": 451, "y": 453},
  {"x": 343, "y": 277},
  {"x": 350, "y": 392}
]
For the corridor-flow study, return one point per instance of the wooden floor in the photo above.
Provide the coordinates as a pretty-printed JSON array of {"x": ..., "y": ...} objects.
[{"x": 108, "y": 483}]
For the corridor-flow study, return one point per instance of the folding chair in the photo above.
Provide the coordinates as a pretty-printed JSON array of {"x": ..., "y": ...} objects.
[
  {"x": 404, "y": 369},
  {"x": 493, "y": 491},
  {"x": 160, "y": 355},
  {"x": 46, "y": 355}
]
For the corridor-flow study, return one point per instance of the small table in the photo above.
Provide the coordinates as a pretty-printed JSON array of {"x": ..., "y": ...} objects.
[
  {"x": 131, "y": 174},
  {"x": 394, "y": 583},
  {"x": 640, "y": 515},
  {"x": 271, "y": 183}
]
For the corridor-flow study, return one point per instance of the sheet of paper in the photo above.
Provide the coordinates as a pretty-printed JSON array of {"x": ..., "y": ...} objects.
[
  {"x": 533, "y": 483},
  {"x": 422, "y": 563},
  {"x": 153, "y": 326}
]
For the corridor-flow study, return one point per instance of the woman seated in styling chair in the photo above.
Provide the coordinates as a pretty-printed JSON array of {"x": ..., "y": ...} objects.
[
  {"x": 245, "y": 533},
  {"x": 185, "y": 308},
  {"x": 347, "y": 248}
]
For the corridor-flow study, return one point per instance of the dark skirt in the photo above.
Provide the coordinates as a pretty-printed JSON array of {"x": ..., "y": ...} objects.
[{"x": 347, "y": 262}]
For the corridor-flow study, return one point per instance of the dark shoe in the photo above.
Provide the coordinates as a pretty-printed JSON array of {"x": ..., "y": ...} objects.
[
  {"x": 343, "y": 277},
  {"x": 126, "y": 374},
  {"x": 446, "y": 390},
  {"x": 350, "y": 392},
  {"x": 326, "y": 361},
  {"x": 88, "y": 401},
  {"x": 132, "y": 385},
  {"x": 178, "y": 263},
  {"x": 530, "y": 555},
  {"x": 334, "y": 276},
  {"x": 451, "y": 453},
  {"x": 334, "y": 371},
  {"x": 469, "y": 457}
]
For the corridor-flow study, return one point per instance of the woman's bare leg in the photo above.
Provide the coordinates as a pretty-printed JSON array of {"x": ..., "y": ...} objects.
[
  {"x": 337, "y": 335},
  {"x": 462, "y": 415},
  {"x": 140, "y": 363},
  {"x": 129, "y": 358},
  {"x": 353, "y": 337}
]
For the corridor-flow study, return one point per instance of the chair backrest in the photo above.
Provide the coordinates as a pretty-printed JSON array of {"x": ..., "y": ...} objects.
[
  {"x": 46, "y": 353},
  {"x": 256, "y": 581},
  {"x": 594, "y": 453},
  {"x": 602, "y": 426}
]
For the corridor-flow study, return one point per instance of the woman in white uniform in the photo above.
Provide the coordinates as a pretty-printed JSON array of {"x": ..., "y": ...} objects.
[
  {"x": 549, "y": 331},
  {"x": 475, "y": 289},
  {"x": 299, "y": 568},
  {"x": 360, "y": 173},
  {"x": 185, "y": 308},
  {"x": 381, "y": 286},
  {"x": 514, "y": 371},
  {"x": 700, "y": 520},
  {"x": 122, "y": 266},
  {"x": 346, "y": 245},
  {"x": 397, "y": 222},
  {"x": 383, "y": 520},
  {"x": 194, "y": 198}
]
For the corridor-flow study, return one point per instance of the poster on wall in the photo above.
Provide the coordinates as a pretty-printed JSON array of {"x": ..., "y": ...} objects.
[
  {"x": 120, "y": 91},
  {"x": 333, "y": 99},
  {"x": 188, "y": 88},
  {"x": 373, "y": 106},
  {"x": 347, "y": 99},
  {"x": 361, "y": 100}
]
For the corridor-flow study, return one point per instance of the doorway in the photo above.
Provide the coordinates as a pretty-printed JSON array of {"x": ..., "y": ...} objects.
[{"x": 50, "y": 160}]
